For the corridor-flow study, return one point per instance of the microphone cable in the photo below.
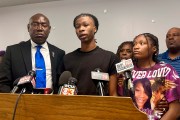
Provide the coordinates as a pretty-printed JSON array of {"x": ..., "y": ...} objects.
[{"x": 17, "y": 101}]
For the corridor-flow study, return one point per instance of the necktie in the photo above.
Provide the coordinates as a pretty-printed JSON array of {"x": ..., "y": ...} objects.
[{"x": 40, "y": 69}]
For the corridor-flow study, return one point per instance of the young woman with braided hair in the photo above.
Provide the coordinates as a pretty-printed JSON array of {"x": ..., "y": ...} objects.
[{"x": 146, "y": 65}]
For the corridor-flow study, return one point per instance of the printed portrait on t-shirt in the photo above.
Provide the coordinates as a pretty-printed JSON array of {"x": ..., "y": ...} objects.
[
  {"x": 158, "y": 91},
  {"x": 148, "y": 93},
  {"x": 142, "y": 93},
  {"x": 155, "y": 84}
]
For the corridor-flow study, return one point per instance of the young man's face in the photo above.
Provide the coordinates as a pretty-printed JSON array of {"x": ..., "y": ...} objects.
[{"x": 85, "y": 28}]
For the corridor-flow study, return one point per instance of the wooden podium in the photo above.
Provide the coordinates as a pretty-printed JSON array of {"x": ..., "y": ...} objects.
[{"x": 56, "y": 107}]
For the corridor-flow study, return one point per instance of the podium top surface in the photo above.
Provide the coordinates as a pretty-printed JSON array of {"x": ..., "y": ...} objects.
[{"x": 57, "y": 107}]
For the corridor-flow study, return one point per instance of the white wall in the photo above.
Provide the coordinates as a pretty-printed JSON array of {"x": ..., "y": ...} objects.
[{"x": 123, "y": 20}]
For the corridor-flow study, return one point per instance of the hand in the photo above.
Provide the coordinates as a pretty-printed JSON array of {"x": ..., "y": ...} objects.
[
  {"x": 162, "y": 107},
  {"x": 121, "y": 79}
]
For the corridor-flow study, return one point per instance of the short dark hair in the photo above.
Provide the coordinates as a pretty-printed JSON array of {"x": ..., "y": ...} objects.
[
  {"x": 96, "y": 23},
  {"x": 122, "y": 44},
  {"x": 39, "y": 14}
]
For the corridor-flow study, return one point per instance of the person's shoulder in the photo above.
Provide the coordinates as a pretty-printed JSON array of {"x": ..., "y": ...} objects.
[
  {"x": 109, "y": 54},
  {"x": 164, "y": 54},
  {"x": 106, "y": 51},
  {"x": 164, "y": 64},
  {"x": 17, "y": 45},
  {"x": 168, "y": 67},
  {"x": 71, "y": 55},
  {"x": 160, "y": 55},
  {"x": 53, "y": 47},
  {"x": 74, "y": 52}
]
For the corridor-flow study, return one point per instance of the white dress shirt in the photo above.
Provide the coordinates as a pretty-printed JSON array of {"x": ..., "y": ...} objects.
[{"x": 45, "y": 52}]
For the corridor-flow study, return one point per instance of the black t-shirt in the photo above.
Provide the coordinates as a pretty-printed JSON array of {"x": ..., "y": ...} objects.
[{"x": 80, "y": 64}]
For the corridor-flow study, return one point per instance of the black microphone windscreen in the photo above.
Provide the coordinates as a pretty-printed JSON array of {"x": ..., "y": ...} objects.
[
  {"x": 72, "y": 80},
  {"x": 63, "y": 79},
  {"x": 16, "y": 81},
  {"x": 32, "y": 73}
]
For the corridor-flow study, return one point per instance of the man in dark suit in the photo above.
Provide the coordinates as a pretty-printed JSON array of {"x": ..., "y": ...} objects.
[{"x": 20, "y": 58}]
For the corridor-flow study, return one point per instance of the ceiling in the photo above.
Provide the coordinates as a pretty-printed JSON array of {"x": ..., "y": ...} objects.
[{"x": 7, "y": 3}]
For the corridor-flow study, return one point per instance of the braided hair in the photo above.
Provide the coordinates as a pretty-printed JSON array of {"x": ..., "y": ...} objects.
[
  {"x": 96, "y": 23},
  {"x": 154, "y": 41}
]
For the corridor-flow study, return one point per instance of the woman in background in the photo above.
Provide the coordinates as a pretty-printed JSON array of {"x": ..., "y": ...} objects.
[{"x": 124, "y": 51}]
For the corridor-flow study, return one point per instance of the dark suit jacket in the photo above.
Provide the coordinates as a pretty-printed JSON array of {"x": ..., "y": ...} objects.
[{"x": 18, "y": 63}]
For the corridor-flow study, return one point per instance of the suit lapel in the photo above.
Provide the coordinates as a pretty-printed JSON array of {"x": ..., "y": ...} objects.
[
  {"x": 53, "y": 62},
  {"x": 26, "y": 53}
]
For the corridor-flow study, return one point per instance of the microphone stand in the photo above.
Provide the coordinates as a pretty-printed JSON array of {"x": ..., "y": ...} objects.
[
  {"x": 100, "y": 87},
  {"x": 128, "y": 86}
]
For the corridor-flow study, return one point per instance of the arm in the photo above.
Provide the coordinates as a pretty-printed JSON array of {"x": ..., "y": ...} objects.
[
  {"x": 113, "y": 85},
  {"x": 120, "y": 82},
  {"x": 162, "y": 106},
  {"x": 5, "y": 83},
  {"x": 174, "y": 111},
  {"x": 172, "y": 83}
]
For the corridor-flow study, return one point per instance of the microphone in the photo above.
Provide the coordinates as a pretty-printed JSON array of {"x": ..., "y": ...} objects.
[
  {"x": 15, "y": 88},
  {"x": 63, "y": 79},
  {"x": 26, "y": 82},
  {"x": 100, "y": 77},
  {"x": 70, "y": 88},
  {"x": 125, "y": 67}
]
